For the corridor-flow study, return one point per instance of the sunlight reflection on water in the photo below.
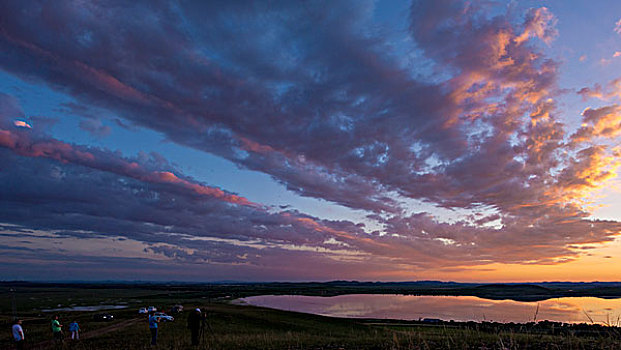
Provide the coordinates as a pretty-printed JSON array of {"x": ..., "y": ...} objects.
[{"x": 458, "y": 308}]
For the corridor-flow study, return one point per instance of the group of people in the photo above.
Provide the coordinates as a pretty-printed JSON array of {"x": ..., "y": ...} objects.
[
  {"x": 196, "y": 323},
  {"x": 57, "y": 332}
]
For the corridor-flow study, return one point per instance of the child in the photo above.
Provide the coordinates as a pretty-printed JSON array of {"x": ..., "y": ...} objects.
[{"x": 74, "y": 329}]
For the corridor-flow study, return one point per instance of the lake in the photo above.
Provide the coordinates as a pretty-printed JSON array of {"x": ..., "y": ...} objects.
[{"x": 458, "y": 308}]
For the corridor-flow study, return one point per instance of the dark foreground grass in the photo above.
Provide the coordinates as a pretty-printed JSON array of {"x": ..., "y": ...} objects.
[{"x": 247, "y": 327}]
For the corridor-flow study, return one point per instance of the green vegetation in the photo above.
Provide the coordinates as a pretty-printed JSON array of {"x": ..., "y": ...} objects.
[{"x": 246, "y": 327}]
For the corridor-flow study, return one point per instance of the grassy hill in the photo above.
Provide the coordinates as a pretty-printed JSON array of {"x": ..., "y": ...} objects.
[{"x": 248, "y": 327}]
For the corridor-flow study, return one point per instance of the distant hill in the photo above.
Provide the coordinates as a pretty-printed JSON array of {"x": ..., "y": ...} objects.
[
  {"x": 513, "y": 291},
  {"x": 522, "y": 292},
  {"x": 514, "y": 288}
]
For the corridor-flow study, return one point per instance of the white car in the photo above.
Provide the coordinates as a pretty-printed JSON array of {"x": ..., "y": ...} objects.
[
  {"x": 151, "y": 309},
  {"x": 143, "y": 310},
  {"x": 162, "y": 316}
]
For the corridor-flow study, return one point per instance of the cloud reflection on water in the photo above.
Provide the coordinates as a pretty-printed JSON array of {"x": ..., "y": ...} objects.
[{"x": 458, "y": 308}]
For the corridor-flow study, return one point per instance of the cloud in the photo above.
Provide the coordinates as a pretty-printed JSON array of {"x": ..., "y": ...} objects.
[
  {"x": 95, "y": 127},
  {"x": 618, "y": 27},
  {"x": 22, "y": 124},
  {"x": 315, "y": 97},
  {"x": 106, "y": 161},
  {"x": 611, "y": 90},
  {"x": 86, "y": 201},
  {"x": 599, "y": 122},
  {"x": 539, "y": 23},
  {"x": 596, "y": 92}
]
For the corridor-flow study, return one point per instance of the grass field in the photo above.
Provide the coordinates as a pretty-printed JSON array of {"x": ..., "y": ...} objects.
[{"x": 246, "y": 327}]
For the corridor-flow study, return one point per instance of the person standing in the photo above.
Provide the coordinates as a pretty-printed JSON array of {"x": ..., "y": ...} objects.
[
  {"x": 18, "y": 334},
  {"x": 74, "y": 328},
  {"x": 57, "y": 330},
  {"x": 195, "y": 321},
  {"x": 153, "y": 321}
]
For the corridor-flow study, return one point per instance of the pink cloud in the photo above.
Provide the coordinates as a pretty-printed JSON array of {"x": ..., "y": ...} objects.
[{"x": 101, "y": 160}]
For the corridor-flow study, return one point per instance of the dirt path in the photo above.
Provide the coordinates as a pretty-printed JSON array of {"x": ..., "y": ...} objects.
[{"x": 48, "y": 344}]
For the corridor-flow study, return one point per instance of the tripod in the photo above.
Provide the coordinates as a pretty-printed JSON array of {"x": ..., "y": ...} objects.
[
  {"x": 203, "y": 324},
  {"x": 201, "y": 331}
]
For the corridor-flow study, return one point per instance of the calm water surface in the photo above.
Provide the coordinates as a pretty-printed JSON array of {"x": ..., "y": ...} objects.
[
  {"x": 458, "y": 308},
  {"x": 86, "y": 308}
]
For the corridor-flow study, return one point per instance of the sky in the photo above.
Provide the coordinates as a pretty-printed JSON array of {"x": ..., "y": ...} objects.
[{"x": 474, "y": 141}]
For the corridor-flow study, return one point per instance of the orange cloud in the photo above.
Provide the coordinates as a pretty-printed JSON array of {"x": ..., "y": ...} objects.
[
  {"x": 605, "y": 121},
  {"x": 591, "y": 170},
  {"x": 22, "y": 124},
  {"x": 540, "y": 24},
  {"x": 611, "y": 90}
]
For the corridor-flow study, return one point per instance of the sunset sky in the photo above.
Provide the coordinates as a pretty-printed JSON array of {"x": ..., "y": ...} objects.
[{"x": 310, "y": 140}]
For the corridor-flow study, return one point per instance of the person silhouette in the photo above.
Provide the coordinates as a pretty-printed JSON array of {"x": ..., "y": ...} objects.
[{"x": 195, "y": 323}]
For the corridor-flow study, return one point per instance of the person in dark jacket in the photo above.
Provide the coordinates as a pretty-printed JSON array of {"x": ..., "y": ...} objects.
[{"x": 195, "y": 324}]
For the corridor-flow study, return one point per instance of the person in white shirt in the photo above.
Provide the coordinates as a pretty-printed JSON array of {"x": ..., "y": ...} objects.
[{"x": 18, "y": 334}]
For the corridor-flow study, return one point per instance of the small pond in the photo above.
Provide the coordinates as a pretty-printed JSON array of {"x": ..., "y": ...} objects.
[{"x": 86, "y": 308}]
